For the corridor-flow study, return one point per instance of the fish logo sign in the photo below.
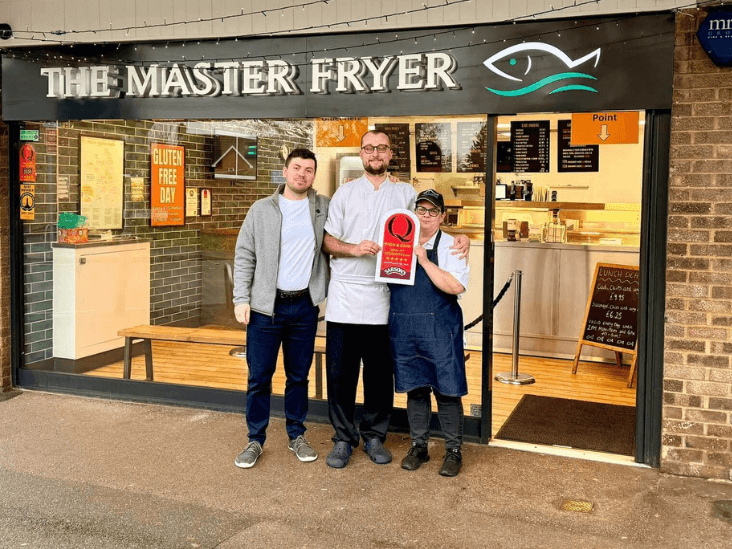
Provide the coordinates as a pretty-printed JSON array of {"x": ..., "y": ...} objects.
[{"x": 514, "y": 53}]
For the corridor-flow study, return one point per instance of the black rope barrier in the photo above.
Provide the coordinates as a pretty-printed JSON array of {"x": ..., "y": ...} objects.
[{"x": 495, "y": 302}]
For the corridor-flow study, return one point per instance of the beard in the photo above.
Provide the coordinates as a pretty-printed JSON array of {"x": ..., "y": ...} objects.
[{"x": 373, "y": 171}]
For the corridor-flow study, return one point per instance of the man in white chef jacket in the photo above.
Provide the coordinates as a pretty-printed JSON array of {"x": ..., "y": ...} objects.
[{"x": 357, "y": 308}]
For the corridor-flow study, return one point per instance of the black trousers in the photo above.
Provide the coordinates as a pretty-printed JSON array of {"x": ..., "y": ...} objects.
[
  {"x": 449, "y": 410},
  {"x": 346, "y": 346}
]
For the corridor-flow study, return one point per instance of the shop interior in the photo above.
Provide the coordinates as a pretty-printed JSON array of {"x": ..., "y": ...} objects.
[{"x": 558, "y": 210}]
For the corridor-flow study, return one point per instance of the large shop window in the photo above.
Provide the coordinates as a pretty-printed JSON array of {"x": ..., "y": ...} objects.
[{"x": 135, "y": 227}]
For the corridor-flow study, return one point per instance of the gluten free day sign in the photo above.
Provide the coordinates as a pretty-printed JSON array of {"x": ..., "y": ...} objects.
[
  {"x": 167, "y": 194},
  {"x": 396, "y": 260}
]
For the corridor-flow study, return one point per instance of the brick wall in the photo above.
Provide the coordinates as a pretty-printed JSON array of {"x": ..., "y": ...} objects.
[
  {"x": 697, "y": 392},
  {"x": 4, "y": 261},
  {"x": 176, "y": 252}
]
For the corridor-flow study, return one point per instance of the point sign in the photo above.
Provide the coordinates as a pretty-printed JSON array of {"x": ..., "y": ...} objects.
[{"x": 604, "y": 128}]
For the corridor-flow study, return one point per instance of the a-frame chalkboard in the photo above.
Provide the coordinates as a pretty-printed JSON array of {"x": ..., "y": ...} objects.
[{"x": 611, "y": 316}]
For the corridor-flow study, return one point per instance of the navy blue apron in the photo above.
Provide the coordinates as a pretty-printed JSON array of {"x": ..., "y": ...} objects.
[{"x": 426, "y": 330}]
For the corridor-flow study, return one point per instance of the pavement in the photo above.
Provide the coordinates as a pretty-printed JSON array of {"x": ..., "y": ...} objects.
[{"x": 77, "y": 472}]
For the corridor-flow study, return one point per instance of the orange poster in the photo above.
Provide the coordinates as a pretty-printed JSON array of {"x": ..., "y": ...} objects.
[
  {"x": 167, "y": 189},
  {"x": 604, "y": 128},
  {"x": 340, "y": 132}
]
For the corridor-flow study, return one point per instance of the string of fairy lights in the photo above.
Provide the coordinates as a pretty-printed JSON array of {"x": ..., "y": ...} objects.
[{"x": 431, "y": 36}]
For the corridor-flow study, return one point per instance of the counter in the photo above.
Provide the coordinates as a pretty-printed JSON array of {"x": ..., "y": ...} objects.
[{"x": 556, "y": 281}]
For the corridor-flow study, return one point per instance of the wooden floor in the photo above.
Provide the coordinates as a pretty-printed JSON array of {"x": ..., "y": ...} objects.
[{"x": 212, "y": 366}]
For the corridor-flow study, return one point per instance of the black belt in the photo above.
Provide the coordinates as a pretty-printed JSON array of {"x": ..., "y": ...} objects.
[{"x": 283, "y": 294}]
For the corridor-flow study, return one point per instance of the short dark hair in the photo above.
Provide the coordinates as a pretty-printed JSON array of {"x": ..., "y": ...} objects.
[
  {"x": 376, "y": 132},
  {"x": 301, "y": 153}
]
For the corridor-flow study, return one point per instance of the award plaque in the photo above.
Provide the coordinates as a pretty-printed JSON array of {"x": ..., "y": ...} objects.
[{"x": 396, "y": 262}]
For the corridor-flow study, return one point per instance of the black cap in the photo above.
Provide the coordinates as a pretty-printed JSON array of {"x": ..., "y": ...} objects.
[{"x": 431, "y": 195}]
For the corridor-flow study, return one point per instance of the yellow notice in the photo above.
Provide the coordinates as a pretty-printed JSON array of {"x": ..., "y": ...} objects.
[{"x": 28, "y": 202}]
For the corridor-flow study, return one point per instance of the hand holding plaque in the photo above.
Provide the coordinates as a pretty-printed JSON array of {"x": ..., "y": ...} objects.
[{"x": 396, "y": 262}]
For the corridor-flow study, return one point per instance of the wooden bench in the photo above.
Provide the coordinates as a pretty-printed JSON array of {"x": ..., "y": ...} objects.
[{"x": 210, "y": 336}]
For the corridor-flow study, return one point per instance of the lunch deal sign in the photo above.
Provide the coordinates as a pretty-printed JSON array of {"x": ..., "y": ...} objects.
[
  {"x": 167, "y": 189},
  {"x": 396, "y": 261}
]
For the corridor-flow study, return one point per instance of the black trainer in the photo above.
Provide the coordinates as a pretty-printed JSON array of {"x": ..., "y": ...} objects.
[
  {"x": 452, "y": 464},
  {"x": 416, "y": 456}
]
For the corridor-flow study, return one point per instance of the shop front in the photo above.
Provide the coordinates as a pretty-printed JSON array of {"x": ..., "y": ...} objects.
[{"x": 137, "y": 163}]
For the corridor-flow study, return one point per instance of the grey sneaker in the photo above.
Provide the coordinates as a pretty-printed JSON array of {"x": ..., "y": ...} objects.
[
  {"x": 249, "y": 455},
  {"x": 302, "y": 449}
]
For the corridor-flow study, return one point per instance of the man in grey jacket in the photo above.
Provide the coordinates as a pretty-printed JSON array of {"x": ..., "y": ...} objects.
[{"x": 280, "y": 277}]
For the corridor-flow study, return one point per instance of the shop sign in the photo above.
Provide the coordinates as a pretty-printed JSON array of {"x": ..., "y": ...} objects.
[
  {"x": 167, "y": 185},
  {"x": 29, "y": 135},
  {"x": 715, "y": 36},
  {"x": 551, "y": 65},
  {"x": 340, "y": 132},
  {"x": 27, "y": 163},
  {"x": 605, "y": 128},
  {"x": 396, "y": 261},
  {"x": 28, "y": 202}
]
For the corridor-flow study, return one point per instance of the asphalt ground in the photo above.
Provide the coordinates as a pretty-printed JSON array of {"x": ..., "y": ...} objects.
[{"x": 77, "y": 472}]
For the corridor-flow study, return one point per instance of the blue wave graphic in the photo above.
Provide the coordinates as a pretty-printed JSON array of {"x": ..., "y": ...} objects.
[
  {"x": 544, "y": 82},
  {"x": 576, "y": 87}
]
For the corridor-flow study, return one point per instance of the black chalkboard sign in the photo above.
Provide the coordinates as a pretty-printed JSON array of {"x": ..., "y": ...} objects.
[
  {"x": 531, "y": 144},
  {"x": 434, "y": 147},
  {"x": 611, "y": 316},
  {"x": 399, "y": 139},
  {"x": 575, "y": 158},
  {"x": 471, "y": 146}
]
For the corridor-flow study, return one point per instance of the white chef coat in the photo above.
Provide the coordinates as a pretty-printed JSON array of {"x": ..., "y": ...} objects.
[{"x": 356, "y": 213}]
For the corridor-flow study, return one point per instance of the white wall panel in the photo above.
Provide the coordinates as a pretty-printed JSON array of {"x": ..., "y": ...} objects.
[{"x": 45, "y": 15}]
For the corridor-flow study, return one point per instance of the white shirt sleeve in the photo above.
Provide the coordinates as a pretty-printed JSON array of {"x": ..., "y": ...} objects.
[
  {"x": 447, "y": 262},
  {"x": 334, "y": 225}
]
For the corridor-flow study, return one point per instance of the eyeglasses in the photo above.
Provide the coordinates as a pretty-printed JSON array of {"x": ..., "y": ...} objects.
[
  {"x": 370, "y": 148},
  {"x": 421, "y": 210}
]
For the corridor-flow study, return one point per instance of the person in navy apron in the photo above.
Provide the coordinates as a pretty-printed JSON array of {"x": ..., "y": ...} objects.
[{"x": 426, "y": 331}]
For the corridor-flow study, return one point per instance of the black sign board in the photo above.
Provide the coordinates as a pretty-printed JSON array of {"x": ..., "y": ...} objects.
[
  {"x": 575, "y": 158},
  {"x": 587, "y": 65},
  {"x": 471, "y": 146},
  {"x": 504, "y": 157},
  {"x": 434, "y": 147},
  {"x": 531, "y": 144},
  {"x": 399, "y": 137},
  {"x": 611, "y": 319}
]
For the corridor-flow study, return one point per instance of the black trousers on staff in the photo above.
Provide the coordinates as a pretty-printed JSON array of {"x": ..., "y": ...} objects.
[{"x": 346, "y": 346}]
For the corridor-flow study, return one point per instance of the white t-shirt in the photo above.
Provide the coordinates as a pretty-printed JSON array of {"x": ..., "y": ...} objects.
[
  {"x": 356, "y": 213},
  {"x": 297, "y": 245},
  {"x": 448, "y": 262}
]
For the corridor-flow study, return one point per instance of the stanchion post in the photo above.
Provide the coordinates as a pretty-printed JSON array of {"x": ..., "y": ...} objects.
[{"x": 513, "y": 377}]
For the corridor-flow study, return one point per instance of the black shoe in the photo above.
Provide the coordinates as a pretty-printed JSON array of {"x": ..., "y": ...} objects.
[
  {"x": 453, "y": 462},
  {"x": 416, "y": 456},
  {"x": 376, "y": 451}
]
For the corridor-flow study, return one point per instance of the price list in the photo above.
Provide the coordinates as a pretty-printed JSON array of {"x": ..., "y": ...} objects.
[
  {"x": 575, "y": 158},
  {"x": 434, "y": 147},
  {"x": 471, "y": 147},
  {"x": 531, "y": 143},
  {"x": 399, "y": 138}
]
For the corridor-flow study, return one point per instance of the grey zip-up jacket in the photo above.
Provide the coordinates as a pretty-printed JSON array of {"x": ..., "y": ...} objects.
[{"x": 257, "y": 258}]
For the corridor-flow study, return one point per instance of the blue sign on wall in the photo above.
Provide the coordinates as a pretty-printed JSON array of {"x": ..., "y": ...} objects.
[{"x": 715, "y": 36}]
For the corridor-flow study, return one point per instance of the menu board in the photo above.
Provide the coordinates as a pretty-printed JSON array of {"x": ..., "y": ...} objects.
[
  {"x": 531, "y": 144},
  {"x": 471, "y": 147},
  {"x": 102, "y": 182},
  {"x": 611, "y": 318},
  {"x": 434, "y": 147},
  {"x": 401, "y": 159},
  {"x": 504, "y": 156},
  {"x": 575, "y": 158}
]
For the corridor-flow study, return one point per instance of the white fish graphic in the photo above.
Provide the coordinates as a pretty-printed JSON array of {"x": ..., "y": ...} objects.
[{"x": 541, "y": 47}]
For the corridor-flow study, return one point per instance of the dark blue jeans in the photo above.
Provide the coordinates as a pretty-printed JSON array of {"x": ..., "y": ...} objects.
[{"x": 293, "y": 325}]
